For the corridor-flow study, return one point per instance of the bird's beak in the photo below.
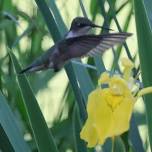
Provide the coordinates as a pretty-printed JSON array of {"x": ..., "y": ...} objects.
[{"x": 105, "y": 28}]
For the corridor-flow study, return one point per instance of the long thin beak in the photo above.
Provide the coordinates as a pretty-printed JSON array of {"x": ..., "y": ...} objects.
[{"x": 105, "y": 28}]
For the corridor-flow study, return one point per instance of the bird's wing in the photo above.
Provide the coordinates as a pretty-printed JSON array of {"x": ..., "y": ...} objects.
[{"x": 93, "y": 44}]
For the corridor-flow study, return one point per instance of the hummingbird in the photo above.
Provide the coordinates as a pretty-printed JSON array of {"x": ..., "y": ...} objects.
[{"x": 76, "y": 43}]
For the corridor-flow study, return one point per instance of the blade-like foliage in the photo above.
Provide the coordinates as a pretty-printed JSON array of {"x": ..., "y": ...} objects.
[
  {"x": 80, "y": 146},
  {"x": 42, "y": 135},
  {"x": 143, "y": 11},
  {"x": 70, "y": 68},
  {"x": 9, "y": 131},
  {"x": 27, "y": 32},
  {"x": 118, "y": 145}
]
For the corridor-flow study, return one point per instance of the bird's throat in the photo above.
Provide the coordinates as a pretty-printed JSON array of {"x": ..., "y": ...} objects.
[
  {"x": 80, "y": 32},
  {"x": 72, "y": 34}
]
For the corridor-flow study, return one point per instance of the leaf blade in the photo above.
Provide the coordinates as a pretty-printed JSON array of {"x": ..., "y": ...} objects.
[
  {"x": 9, "y": 129},
  {"x": 42, "y": 135},
  {"x": 143, "y": 21}
]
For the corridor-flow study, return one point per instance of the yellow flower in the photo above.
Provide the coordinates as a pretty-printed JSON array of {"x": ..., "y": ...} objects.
[{"x": 110, "y": 109}]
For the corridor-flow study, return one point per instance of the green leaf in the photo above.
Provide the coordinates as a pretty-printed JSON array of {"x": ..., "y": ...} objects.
[
  {"x": 25, "y": 33},
  {"x": 77, "y": 92},
  {"x": 83, "y": 9},
  {"x": 57, "y": 17},
  {"x": 42, "y": 135},
  {"x": 49, "y": 19},
  {"x": 118, "y": 145},
  {"x": 72, "y": 71},
  {"x": 98, "y": 61},
  {"x": 143, "y": 11},
  {"x": 86, "y": 85},
  {"x": 9, "y": 131},
  {"x": 80, "y": 146},
  {"x": 94, "y": 8},
  {"x": 135, "y": 136},
  {"x": 119, "y": 50},
  {"x": 5, "y": 23},
  {"x": 112, "y": 7},
  {"x": 5, "y": 145}
]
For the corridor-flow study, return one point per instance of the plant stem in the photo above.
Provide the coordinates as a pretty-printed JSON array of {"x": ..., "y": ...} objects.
[{"x": 113, "y": 143}]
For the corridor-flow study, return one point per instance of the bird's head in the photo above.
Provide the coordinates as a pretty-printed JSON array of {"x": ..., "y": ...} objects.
[
  {"x": 81, "y": 26},
  {"x": 79, "y": 23}
]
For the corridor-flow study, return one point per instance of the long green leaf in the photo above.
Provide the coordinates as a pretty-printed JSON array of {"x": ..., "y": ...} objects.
[
  {"x": 26, "y": 32},
  {"x": 49, "y": 19},
  {"x": 119, "y": 50},
  {"x": 119, "y": 28},
  {"x": 85, "y": 88},
  {"x": 5, "y": 145},
  {"x": 80, "y": 146},
  {"x": 69, "y": 67},
  {"x": 86, "y": 85},
  {"x": 9, "y": 131},
  {"x": 42, "y": 135},
  {"x": 98, "y": 60},
  {"x": 143, "y": 11},
  {"x": 83, "y": 9},
  {"x": 118, "y": 145},
  {"x": 57, "y": 17},
  {"x": 134, "y": 136},
  {"x": 76, "y": 89},
  {"x": 76, "y": 68}
]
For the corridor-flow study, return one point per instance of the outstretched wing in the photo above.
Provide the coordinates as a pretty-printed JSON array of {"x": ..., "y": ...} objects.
[{"x": 93, "y": 44}]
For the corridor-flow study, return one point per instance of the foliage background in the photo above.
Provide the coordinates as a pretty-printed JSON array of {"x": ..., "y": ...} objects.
[{"x": 27, "y": 28}]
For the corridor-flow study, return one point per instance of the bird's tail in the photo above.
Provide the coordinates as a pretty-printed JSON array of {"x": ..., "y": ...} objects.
[{"x": 33, "y": 68}]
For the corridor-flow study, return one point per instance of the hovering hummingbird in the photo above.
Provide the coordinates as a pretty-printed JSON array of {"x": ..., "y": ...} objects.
[{"x": 76, "y": 43}]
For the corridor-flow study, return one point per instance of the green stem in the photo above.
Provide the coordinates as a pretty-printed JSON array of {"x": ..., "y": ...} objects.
[
  {"x": 113, "y": 144},
  {"x": 83, "y": 9}
]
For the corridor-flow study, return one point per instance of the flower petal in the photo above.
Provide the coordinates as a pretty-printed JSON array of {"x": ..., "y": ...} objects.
[
  {"x": 121, "y": 117},
  {"x": 118, "y": 86},
  {"x": 89, "y": 133},
  {"x": 100, "y": 115}
]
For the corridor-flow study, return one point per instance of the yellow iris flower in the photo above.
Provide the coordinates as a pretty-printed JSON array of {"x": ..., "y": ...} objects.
[{"x": 110, "y": 109}]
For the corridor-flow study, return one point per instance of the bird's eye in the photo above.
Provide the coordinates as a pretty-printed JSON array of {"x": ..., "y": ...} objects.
[{"x": 80, "y": 24}]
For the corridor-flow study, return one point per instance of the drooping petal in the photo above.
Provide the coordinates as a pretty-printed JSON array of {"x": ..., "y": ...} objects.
[
  {"x": 89, "y": 133},
  {"x": 121, "y": 117},
  {"x": 99, "y": 114}
]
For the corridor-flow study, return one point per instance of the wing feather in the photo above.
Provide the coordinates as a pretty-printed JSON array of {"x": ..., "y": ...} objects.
[{"x": 94, "y": 44}]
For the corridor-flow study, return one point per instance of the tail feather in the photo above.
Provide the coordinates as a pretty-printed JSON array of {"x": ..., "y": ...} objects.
[{"x": 30, "y": 69}]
